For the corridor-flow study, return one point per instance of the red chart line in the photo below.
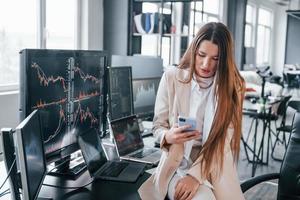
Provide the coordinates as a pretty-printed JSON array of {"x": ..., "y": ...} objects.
[
  {"x": 46, "y": 80},
  {"x": 87, "y": 76}
]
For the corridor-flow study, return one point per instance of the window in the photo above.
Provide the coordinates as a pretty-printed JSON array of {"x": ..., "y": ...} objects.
[
  {"x": 250, "y": 25},
  {"x": 18, "y": 30},
  {"x": 263, "y": 36},
  {"x": 60, "y": 24},
  {"x": 258, "y": 31},
  {"x": 205, "y": 11}
]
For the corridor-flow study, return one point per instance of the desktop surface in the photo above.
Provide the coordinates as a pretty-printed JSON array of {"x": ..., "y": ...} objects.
[{"x": 99, "y": 189}]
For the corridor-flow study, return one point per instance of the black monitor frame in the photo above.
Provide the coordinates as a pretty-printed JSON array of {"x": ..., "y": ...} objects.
[
  {"x": 25, "y": 109},
  {"x": 22, "y": 158},
  {"x": 115, "y": 114}
]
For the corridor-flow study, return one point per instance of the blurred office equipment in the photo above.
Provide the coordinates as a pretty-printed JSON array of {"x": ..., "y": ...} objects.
[
  {"x": 120, "y": 92},
  {"x": 146, "y": 74},
  {"x": 288, "y": 177}
]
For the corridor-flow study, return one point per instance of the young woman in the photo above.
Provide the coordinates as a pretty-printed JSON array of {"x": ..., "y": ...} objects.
[{"x": 206, "y": 86}]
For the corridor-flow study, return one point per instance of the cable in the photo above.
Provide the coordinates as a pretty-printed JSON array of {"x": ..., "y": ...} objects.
[
  {"x": 63, "y": 187},
  {"x": 5, "y": 192},
  {"x": 55, "y": 167},
  {"x": 8, "y": 174}
]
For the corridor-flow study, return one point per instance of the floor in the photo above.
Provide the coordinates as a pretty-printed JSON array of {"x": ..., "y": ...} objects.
[{"x": 267, "y": 190}]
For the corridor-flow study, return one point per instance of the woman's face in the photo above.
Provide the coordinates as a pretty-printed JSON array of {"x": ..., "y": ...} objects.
[{"x": 206, "y": 61}]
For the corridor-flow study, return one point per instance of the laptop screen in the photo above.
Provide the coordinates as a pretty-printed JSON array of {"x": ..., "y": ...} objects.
[
  {"x": 92, "y": 150},
  {"x": 127, "y": 134}
]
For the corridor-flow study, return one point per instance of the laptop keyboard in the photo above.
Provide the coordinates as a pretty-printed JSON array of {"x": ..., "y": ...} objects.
[
  {"x": 143, "y": 153},
  {"x": 114, "y": 169}
]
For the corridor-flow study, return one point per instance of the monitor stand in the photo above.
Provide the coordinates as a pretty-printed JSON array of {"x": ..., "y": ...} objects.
[{"x": 70, "y": 169}]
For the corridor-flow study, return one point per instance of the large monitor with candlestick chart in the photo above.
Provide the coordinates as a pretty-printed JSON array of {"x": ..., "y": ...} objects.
[{"x": 69, "y": 89}]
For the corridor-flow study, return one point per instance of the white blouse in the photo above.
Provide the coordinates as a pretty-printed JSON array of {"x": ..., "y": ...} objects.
[{"x": 200, "y": 90}]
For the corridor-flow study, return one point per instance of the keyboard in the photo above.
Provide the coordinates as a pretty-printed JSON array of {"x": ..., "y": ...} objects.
[
  {"x": 143, "y": 153},
  {"x": 78, "y": 168},
  {"x": 114, "y": 169}
]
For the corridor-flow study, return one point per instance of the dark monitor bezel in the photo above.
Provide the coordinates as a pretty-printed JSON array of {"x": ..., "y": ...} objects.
[
  {"x": 24, "y": 91},
  {"x": 131, "y": 89},
  {"x": 20, "y": 151}
]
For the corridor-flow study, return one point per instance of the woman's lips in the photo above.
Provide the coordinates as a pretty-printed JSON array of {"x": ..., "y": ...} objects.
[{"x": 205, "y": 71}]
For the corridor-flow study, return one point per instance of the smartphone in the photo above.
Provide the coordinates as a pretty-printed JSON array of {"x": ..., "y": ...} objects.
[{"x": 187, "y": 121}]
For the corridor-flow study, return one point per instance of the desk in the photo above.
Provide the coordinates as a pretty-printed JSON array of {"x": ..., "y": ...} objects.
[{"x": 99, "y": 189}]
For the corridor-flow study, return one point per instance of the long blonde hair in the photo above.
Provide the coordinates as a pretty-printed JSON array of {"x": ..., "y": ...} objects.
[{"x": 229, "y": 90}]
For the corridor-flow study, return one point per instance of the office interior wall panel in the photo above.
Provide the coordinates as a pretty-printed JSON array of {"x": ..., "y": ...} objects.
[
  {"x": 9, "y": 111},
  {"x": 292, "y": 41}
]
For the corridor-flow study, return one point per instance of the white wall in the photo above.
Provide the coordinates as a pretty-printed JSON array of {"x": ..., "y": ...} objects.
[
  {"x": 9, "y": 111},
  {"x": 277, "y": 60}
]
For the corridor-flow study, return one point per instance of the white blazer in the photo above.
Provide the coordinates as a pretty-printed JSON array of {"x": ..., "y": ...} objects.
[{"x": 172, "y": 99}]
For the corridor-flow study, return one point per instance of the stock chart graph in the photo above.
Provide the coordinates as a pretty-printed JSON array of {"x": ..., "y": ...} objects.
[{"x": 67, "y": 87}]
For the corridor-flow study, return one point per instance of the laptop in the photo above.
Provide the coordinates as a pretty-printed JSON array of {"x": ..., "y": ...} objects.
[
  {"x": 100, "y": 167},
  {"x": 129, "y": 142}
]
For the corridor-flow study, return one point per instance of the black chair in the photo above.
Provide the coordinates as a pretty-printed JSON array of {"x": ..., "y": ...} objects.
[
  {"x": 284, "y": 128},
  {"x": 289, "y": 175},
  {"x": 267, "y": 117}
]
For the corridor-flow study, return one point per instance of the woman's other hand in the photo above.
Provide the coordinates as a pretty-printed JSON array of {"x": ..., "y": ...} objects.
[
  {"x": 186, "y": 188},
  {"x": 177, "y": 135}
]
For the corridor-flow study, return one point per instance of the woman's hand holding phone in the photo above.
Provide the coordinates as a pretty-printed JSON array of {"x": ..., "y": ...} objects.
[{"x": 177, "y": 135}]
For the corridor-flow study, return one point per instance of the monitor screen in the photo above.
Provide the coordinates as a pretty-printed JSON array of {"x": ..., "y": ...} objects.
[
  {"x": 68, "y": 87},
  {"x": 127, "y": 135},
  {"x": 92, "y": 151},
  {"x": 120, "y": 93},
  {"x": 30, "y": 155},
  {"x": 144, "y": 96}
]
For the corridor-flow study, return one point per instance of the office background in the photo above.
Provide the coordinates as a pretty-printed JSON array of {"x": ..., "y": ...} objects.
[{"x": 104, "y": 24}]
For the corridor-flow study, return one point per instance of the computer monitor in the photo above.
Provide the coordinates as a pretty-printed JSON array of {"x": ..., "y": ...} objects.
[
  {"x": 30, "y": 158},
  {"x": 120, "y": 92},
  {"x": 69, "y": 89},
  {"x": 143, "y": 67},
  {"x": 144, "y": 96},
  {"x": 146, "y": 74}
]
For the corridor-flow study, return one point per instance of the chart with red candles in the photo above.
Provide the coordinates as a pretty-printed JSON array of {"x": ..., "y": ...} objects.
[{"x": 68, "y": 88}]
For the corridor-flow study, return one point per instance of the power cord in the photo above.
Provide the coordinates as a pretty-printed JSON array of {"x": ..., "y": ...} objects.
[
  {"x": 5, "y": 192},
  {"x": 8, "y": 174},
  {"x": 57, "y": 166}
]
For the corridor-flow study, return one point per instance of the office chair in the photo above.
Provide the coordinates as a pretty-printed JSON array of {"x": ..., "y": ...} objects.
[
  {"x": 285, "y": 128},
  {"x": 289, "y": 175},
  {"x": 267, "y": 118}
]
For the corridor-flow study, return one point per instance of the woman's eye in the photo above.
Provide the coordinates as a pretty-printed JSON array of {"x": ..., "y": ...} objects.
[
  {"x": 201, "y": 55},
  {"x": 216, "y": 58}
]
